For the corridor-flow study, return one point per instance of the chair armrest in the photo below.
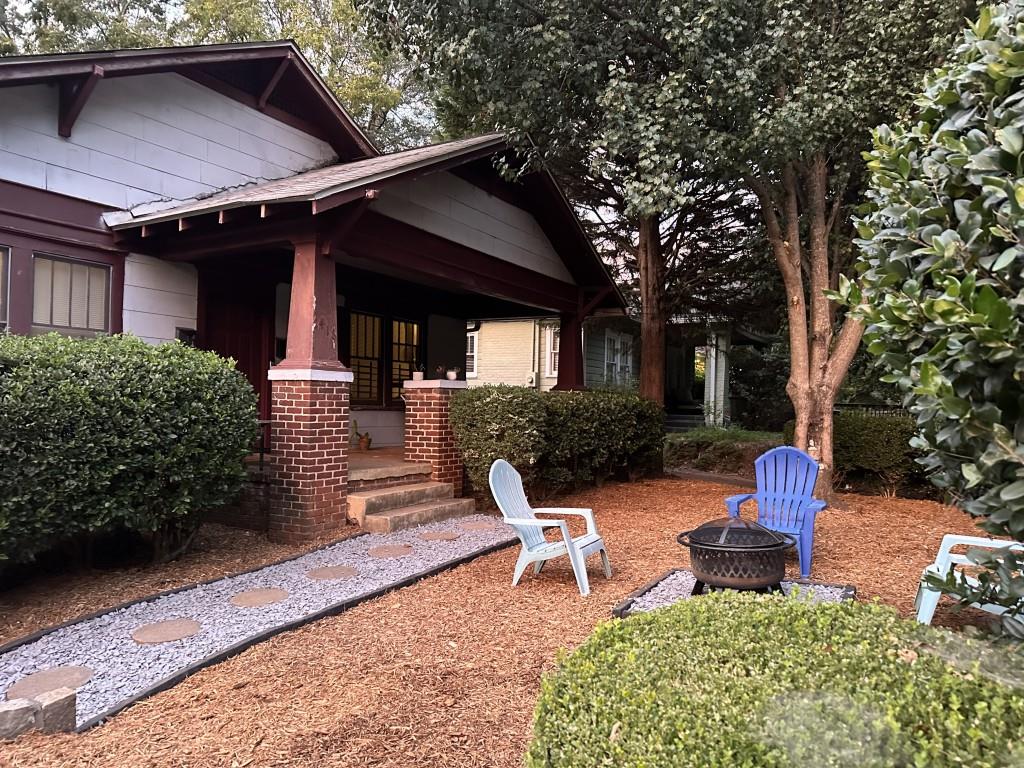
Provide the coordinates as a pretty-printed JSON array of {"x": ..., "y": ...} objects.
[
  {"x": 816, "y": 506},
  {"x": 733, "y": 503},
  {"x": 586, "y": 514},
  {"x": 531, "y": 522}
]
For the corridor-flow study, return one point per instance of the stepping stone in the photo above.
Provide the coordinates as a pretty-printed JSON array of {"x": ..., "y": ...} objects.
[
  {"x": 46, "y": 680},
  {"x": 166, "y": 631},
  {"x": 332, "y": 573},
  {"x": 254, "y": 598},
  {"x": 439, "y": 536},
  {"x": 479, "y": 525},
  {"x": 390, "y": 550}
]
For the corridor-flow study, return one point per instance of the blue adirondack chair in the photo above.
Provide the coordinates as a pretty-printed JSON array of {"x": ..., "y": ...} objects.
[{"x": 785, "y": 501}]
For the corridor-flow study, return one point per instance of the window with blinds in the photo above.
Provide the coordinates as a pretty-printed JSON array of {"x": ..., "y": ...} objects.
[
  {"x": 365, "y": 353},
  {"x": 405, "y": 352},
  {"x": 70, "y": 295},
  {"x": 551, "y": 338},
  {"x": 5, "y": 261},
  {"x": 472, "y": 342}
]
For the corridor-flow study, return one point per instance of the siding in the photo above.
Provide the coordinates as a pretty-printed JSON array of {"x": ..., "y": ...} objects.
[
  {"x": 506, "y": 353},
  {"x": 387, "y": 428},
  {"x": 546, "y": 382},
  {"x": 147, "y": 138},
  {"x": 449, "y": 207},
  {"x": 159, "y": 297},
  {"x": 594, "y": 351}
]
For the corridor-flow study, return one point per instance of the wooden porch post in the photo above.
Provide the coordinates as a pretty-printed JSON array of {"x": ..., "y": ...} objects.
[
  {"x": 570, "y": 352},
  {"x": 310, "y": 408}
]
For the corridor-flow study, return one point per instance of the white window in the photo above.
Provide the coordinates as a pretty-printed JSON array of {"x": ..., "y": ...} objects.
[
  {"x": 472, "y": 345},
  {"x": 618, "y": 359},
  {"x": 70, "y": 295},
  {"x": 551, "y": 335}
]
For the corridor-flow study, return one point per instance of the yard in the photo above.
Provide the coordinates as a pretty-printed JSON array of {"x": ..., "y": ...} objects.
[{"x": 445, "y": 672}]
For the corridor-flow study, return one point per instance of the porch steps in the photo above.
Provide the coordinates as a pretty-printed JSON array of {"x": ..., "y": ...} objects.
[{"x": 383, "y": 510}]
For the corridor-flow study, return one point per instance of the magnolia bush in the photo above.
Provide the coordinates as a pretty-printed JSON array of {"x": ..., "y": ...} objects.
[{"x": 942, "y": 265}]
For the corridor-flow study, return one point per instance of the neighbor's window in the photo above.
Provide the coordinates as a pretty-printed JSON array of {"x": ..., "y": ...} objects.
[
  {"x": 69, "y": 295},
  {"x": 618, "y": 358},
  {"x": 472, "y": 345},
  {"x": 366, "y": 342},
  {"x": 551, "y": 335},
  {"x": 5, "y": 260},
  {"x": 405, "y": 352}
]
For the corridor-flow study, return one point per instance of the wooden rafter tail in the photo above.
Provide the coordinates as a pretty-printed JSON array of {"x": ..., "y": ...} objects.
[{"x": 73, "y": 98}]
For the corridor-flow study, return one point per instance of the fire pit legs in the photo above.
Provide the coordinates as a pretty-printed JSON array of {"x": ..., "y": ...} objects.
[{"x": 699, "y": 587}]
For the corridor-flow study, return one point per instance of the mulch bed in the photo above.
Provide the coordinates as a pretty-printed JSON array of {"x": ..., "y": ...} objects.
[{"x": 446, "y": 672}]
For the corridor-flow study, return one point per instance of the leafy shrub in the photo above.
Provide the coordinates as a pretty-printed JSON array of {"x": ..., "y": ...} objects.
[
  {"x": 751, "y": 681},
  {"x": 942, "y": 266},
  {"x": 757, "y": 384},
  {"x": 714, "y": 449},
  {"x": 111, "y": 433},
  {"x": 874, "y": 445},
  {"x": 555, "y": 439}
]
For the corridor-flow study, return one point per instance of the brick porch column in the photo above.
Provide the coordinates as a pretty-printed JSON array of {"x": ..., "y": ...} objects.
[
  {"x": 309, "y": 432},
  {"x": 428, "y": 435}
]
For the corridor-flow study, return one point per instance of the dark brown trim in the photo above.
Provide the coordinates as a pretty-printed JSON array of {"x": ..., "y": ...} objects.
[
  {"x": 73, "y": 95},
  {"x": 268, "y": 89}
]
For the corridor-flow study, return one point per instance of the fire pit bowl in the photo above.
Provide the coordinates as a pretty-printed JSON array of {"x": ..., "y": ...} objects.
[{"x": 733, "y": 553}]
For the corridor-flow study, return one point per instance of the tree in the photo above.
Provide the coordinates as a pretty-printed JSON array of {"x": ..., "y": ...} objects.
[
  {"x": 942, "y": 262},
  {"x": 57, "y": 26},
  {"x": 777, "y": 95},
  {"x": 538, "y": 71}
]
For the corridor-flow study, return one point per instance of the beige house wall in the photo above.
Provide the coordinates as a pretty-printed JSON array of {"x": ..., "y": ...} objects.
[{"x": 507, "y": 352}]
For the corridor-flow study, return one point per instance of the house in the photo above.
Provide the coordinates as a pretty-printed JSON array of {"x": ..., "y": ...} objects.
[
  {"x": 525, "y": 352},
  {"x": 222, "y": 196}
]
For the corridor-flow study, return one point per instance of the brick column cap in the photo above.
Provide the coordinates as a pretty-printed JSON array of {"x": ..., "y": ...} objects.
[
  {"x": 278, "y": 373},
  {"x": 435, "y": 384}
]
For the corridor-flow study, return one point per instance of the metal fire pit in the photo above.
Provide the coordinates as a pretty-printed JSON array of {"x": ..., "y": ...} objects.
[{"x": 733, "y": 553}]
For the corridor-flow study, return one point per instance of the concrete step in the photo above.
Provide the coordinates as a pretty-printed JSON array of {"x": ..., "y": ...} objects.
[
  {"x": 362, "y": 504},
  {"x": 417, "y": 514}
]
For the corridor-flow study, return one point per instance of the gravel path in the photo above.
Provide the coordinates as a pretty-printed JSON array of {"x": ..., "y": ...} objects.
[
  {"x": 679, "y": 586},
  {"x": 124, "y": 668}
]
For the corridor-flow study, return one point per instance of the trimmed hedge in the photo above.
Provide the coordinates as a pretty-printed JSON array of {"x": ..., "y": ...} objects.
[
  {"x": 752, "y": 681},
  {"x": 556, "y": 440},
  {"x": 113, "y": 433},
  {"x": 875, "y": 445}
]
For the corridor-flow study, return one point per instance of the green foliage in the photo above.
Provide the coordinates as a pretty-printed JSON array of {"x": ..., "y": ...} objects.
[
  {"x": 876, "y": 445},
  {"x": 730, "y": 450},
  {"x": 751, "y": 681},
  {"x": 555, "y": 439},
  {"x": 942, "y": 265},
  {"x": 113, "y": 433},
  {"x": 757, "y": 383}
]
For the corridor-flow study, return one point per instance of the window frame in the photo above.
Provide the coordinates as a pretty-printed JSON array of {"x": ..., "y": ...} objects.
[
  {"x": 5, "y": 287},
  {"x": 475, "y": 336},
  {"x": 551, "y": 350},
  {"x": 622, "y": 374},
  {"x": 71, "y": 330}
]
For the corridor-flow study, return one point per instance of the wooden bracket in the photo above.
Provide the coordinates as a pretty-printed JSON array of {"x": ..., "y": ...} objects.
[
  {"x": 343, "y": 225},
  {"x": 73, "y": 97},
  {"x": 268, "y": 90},
  {"x": 591, "y": 305}
]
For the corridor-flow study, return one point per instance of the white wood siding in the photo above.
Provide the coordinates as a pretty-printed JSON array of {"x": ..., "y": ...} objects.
[
  {"x": 387, "y": 428},
  {"x": 147, "y": 138},
  {"x": 159, "y": 297},
  {"x": 445, "y": 205}
]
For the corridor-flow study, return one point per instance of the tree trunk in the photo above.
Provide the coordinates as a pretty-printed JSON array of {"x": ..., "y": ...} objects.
[{"x": 652, "y": 307}]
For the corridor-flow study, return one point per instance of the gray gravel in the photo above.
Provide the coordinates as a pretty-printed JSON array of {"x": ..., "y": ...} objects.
[
  {"x": 679, "y": 585},
  {"x": 123, "y": 669}
]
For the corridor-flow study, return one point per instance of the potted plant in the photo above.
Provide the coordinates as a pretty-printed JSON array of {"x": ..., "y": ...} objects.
[
  {"x": 453, "y": 373},
  {"x": 363, "y": 437},
  {"x": 417, "y": 375}
]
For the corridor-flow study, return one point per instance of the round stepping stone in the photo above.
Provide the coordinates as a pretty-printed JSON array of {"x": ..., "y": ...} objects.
[
  {"x": 439, "y": 536},
  {"x": 254, "y": 598},
  {"x": 480, "y": 525},
  {"x": 390, "y": 550},
  {"x": 332, "y": 573},
  {"x": 166, "y": 631},
  {"x": 38, "y": 683}
]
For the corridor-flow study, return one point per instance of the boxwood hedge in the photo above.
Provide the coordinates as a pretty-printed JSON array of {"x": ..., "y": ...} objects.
[
  {"x": 110, "y": 433},
  {"x": 751, "y": 681},
  {"x": 556, "y": 439}
]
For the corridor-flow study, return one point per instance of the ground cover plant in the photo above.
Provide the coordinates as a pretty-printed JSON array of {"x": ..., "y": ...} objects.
[
  {"x": 112, "y": 433},
  {"x": 752, "y": 681}
]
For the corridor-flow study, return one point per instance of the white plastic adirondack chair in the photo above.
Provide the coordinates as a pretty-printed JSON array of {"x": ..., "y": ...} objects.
[
  {"x": 928, "y": 598},
  {"x": 507, "y": 488}
]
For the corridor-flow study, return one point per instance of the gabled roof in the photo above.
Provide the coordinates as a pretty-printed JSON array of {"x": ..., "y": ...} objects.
[
  {"x": 273, "y": 77},
  {"x": 323, "y": 186}
]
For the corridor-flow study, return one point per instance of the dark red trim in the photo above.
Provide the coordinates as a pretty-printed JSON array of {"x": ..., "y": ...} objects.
[
  {"x": 268, "y": 89},
  {"x": 73, "y": 96}
]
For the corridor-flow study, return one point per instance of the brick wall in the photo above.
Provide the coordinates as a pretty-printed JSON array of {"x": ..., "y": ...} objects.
[
  {"x": 428, "y": 434},
  {"x": 309, "y": 439}
]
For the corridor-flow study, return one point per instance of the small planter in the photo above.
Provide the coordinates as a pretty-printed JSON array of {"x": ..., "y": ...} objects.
[
  {"x": 364, "y": 442},
  {"x": 417, "y": 375},
  {"x": 452, "y": 375}
]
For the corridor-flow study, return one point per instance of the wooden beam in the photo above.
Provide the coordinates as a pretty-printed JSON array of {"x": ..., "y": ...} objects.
[
  {"x": 341, "y": 198},
  {"x": 268, "y": 90},
  {"x": 591, "y": 305},
  {"x": 343, "y": 225},
  {"x": 73, "y": 96}
]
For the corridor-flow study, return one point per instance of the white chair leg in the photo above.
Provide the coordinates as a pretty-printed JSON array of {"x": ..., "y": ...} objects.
[
  {"x": 538, "y": 566},
  {"x": 606, "y": 563},
  {"x": 579, "y": 568},
  {"x": 927, "y": 601},
  {"x": 521, "y": 563}
]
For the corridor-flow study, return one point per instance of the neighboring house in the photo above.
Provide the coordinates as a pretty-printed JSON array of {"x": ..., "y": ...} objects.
[
  {"x": 222, "y": 196},
  {"x": 526, "y": 352}
]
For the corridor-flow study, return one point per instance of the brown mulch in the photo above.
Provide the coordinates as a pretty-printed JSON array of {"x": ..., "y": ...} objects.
[
  {"x": 446, "y": 672},
  {"x": 55, "y": 598}
]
